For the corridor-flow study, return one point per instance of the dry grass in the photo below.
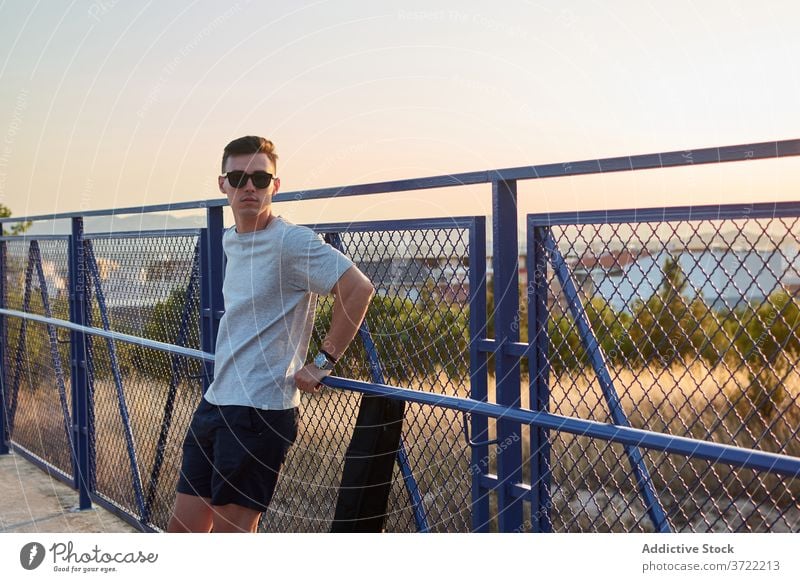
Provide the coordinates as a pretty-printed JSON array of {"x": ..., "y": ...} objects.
[
  {"x": 711, "y": 404},
  {"x": 592, "y": 486}
]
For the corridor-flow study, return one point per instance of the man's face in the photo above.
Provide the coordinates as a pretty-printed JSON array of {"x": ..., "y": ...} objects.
[{"x": 249, "y": 201}]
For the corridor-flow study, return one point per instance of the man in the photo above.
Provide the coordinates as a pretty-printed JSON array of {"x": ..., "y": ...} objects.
[{"x": 248, "y": 418}]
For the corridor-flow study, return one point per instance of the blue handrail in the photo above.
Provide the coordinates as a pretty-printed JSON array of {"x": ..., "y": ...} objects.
[
  {"x": 715, "y": 452},
  {"x": 671, "y": 159}
]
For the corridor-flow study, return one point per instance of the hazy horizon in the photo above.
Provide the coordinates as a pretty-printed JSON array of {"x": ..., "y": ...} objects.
[{"x": 110, "y": 104}]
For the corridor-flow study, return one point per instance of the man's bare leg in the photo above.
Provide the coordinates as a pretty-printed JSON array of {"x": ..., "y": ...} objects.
[
  {"x": 232, "y": 518},
  {"x": 191, "y": 514}
]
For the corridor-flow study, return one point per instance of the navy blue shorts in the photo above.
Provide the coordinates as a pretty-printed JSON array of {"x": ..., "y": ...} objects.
[{"x": 233, "y": 454}]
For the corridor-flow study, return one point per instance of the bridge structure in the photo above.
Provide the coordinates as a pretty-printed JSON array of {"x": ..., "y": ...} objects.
[{"x": 613, "y": 387}]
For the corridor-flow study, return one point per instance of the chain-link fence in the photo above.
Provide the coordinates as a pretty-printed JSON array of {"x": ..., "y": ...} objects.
[
  {"x": 419, "y": 324},
  {"x": 698, "y": 324},
  {"x": 148, "y": 285},
  {"x": 664, "y": 323},
  {"x": 36, "y": 358},
  {"x": 145, "y": 285}
]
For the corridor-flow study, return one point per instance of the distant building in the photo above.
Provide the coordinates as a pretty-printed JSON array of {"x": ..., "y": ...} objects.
[
  {"x": 723, "y": 278},
  {"x": 133, "y": 284},
  {"x": 407, "y": 277}
]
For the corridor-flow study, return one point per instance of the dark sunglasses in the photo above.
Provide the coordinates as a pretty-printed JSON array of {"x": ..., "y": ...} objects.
[{"x": 238, "y": 179}]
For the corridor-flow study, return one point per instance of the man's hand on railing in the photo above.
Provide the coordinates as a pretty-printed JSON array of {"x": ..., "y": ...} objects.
[{"x": 308, "y": 378}]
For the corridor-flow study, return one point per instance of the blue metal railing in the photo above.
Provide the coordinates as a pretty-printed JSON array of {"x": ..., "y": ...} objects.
[{"x": 515, "y": 498}]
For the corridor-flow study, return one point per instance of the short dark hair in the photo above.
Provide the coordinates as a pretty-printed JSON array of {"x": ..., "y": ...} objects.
[{"x": 250, "y": 144}]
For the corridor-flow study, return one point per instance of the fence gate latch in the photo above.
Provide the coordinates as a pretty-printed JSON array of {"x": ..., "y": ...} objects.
[{"x": 470, "y": 442}]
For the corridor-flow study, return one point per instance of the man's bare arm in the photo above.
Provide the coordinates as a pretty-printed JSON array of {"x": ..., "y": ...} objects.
[{"x": 352, "y": 295}]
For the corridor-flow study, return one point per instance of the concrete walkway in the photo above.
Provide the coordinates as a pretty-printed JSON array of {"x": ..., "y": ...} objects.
[{"x": 32, "y": 501}]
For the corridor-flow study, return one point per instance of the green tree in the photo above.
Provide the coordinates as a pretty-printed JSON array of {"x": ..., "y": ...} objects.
[
  {"x": 19, "y": 227},
  {"x": 412, "y": 338},
  {"x": 769, "y": 342},
  {"x": 163, "y": 325},
  {"x": 669, "y": 325}
]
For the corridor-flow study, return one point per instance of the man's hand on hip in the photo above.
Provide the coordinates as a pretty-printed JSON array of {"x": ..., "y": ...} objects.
[{"x": 308, "y": 378}]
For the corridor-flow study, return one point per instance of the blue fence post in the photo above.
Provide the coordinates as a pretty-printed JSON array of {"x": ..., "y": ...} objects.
[
  {"x": 4, "y": 437},
  {"x": 505, "y": 263},
  {"x": 81, "y": 425},
  {"x": 538, "y": 371},
  {"x": 478, "y": 370},
  {"x": 212, "y": 272}
]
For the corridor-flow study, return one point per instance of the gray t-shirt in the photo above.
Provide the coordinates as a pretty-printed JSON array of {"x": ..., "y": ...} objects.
[{"x": 272, "y": 279}]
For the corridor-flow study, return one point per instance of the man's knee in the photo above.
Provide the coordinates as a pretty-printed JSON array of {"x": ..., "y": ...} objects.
[{"x": 191, "y": 514}]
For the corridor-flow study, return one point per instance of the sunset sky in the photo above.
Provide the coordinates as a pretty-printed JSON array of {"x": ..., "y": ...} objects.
[{"x": 111, "y": 103}]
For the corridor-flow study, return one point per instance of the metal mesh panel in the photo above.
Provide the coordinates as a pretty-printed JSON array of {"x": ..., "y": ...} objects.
[
  {"x": 143, "y": 280},
  {"x": 33, "y": 398},
  {"x": 698, "y": 321},
  {"x": 419, "y": 324},
  {"x": 135, "y": 468},
  {"x": 441, "y": 462},
  {"x": 717, "y": 502},
  {"x": 53, "y": 254},
  {"x": 143, "y": 398},
  {"x": 36, "y": 368}
]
